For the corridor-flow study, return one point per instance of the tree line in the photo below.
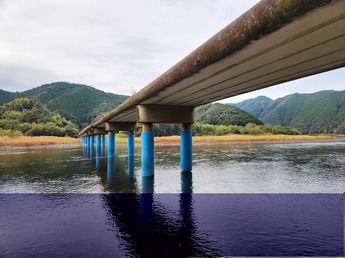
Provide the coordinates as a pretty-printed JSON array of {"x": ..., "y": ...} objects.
[{"x": 30, "y": 117}]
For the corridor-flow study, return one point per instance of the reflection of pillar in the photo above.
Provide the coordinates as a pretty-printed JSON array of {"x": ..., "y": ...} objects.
[
  {"x": 98, "y": 142},
  {"x": 146, "y": 198},
  {"x": 98, "y": 160},
  {"x": 111, "y": 143},
  {"x": 130, "y": 143},
  {"x": 186, "y": 151},
  {"x": 111, "y": 168},
  {"x": 147, "y": 185},
  {"x": 131, "y": 164},
  {"x": 186, "y": 183},
  {"x": 147, "y": 150}
]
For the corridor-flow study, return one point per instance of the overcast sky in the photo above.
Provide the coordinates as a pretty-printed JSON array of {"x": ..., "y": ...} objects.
[{"x": 117, "y": 46}]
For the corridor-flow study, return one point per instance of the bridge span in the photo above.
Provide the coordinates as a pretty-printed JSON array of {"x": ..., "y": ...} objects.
[{"x": 274, "y": 42}]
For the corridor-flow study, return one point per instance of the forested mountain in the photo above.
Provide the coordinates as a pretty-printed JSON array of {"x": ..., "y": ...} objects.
[
  {"x": 6, "y": 96},
  {"x": 320, "y": 112},
  {"x": 254, "y": 106},
  {"x": 221, "y": 114},
  {"x": 81, "y": 102}
]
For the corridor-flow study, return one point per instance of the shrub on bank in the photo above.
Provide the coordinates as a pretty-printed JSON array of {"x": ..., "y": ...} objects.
[
  {"x": 200, "y": 129},
  {"x": 9, "y": 133}
]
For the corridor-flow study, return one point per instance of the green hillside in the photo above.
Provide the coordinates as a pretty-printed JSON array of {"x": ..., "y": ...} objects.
[
  {"x": 221, "y": 114},
  {"x": 81, "y": 102},
  {"x": 6, "y": 96},
  {"x": 254, "y": 106},
  {"x": 32, "y": 118},
  {"x": 320, "y": 112}
]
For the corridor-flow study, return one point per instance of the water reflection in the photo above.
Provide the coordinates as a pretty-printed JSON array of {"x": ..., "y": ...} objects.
[
  {"x": 216, "y": 225},
  {"x": 150, "y": 230},
  {"x": 111, "y": 169},
  {"x": 147, "y": 184},
  {"x": 186, "y": 183},
  {"x": 131, "y": 165}
]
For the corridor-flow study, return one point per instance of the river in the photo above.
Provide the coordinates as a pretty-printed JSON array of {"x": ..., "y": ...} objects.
[{"x": 242, "y": 199}]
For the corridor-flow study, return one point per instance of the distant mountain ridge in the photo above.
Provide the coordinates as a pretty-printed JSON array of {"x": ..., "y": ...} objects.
[
  {"x": 84, "y": 103},
  {"x": 320, "y": 112},
  {"x": 220, "y": 114}
]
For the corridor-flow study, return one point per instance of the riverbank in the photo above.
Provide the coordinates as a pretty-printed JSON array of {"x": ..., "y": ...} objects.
[
  {"x": 52, "y": 141},
  {"x": 37, "y": 141}
]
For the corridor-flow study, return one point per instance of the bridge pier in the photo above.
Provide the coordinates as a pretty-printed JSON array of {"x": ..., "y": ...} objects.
[
  {"x": 130, "y": 143},
  {"x": 103, "y": 142},
  {"x": 92, "y": 142},
  {"x": 111, "y": 143},
  {"x": 98, "y": 142},
  {"x": 88, "y": 141},
  {"x": 149, "y": 114},
  {"x": 147, "y": 150},
  {"x": 186, "y": 148}
]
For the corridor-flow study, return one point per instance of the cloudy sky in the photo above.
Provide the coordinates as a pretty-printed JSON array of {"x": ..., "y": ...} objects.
[{"x": 117, "y": 46}]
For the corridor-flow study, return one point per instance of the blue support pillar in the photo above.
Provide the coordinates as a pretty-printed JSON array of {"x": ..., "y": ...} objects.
[
  {"x": 111, "y": 144},
  {"x": 98, "y": 142},
  {"x": 130, "y": 143},
  {"x": 147, "y": 150},
  {"x": 186, "y": 150},
  {"x": 103, "y": 142},
  {"x": 131, "y": 152},
  {"x": 88, "y": 141},
  {"x": 92, "y": 141},
  {"x": 91, "y": 145}
]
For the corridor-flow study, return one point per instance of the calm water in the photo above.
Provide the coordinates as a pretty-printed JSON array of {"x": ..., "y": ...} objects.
[{"x": 273, "y": 199}]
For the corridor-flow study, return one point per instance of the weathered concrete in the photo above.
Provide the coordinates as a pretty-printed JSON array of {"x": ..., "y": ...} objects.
[
  {"x": 165, "y": 114},
  {"x": 120, "y": 126},
  {"x": 98, "y": 131}
]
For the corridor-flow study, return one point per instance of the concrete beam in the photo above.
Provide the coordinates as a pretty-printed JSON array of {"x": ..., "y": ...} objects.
[
  {"x": 99, "y": 131},
  {"x": 120, "y": 126},
  {"x": 165, "y": 114}
]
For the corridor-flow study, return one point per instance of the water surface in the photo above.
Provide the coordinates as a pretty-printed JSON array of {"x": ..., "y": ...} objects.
[{"x": 272, "y": 199}]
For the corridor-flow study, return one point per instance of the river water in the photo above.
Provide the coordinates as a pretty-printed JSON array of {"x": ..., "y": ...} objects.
[{"x": 244, "y": 199}]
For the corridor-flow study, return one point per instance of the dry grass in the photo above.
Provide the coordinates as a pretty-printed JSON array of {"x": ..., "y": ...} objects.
[
  {"x": 26, "y": 141},
  {"x": 235, "y": 138},
  {"x": 279, "y": 137}
]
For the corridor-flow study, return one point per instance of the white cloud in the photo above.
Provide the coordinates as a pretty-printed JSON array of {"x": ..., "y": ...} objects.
[{"x": 116, "y": 46}]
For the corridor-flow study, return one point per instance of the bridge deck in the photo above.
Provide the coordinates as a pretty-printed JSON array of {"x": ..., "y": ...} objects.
[{"x": 272, "y": 43}]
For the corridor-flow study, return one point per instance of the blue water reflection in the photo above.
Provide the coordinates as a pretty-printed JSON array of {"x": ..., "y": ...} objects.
[{"x": 171, "y": 225}]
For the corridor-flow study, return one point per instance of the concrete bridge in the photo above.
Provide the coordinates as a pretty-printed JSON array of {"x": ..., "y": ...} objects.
[{"x": 274, "y": 42}]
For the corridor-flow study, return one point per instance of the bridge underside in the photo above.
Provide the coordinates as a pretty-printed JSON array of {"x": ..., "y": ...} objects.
[
  {"x": 272, "y": 43},
  {"x": 309, "y": 44}
]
